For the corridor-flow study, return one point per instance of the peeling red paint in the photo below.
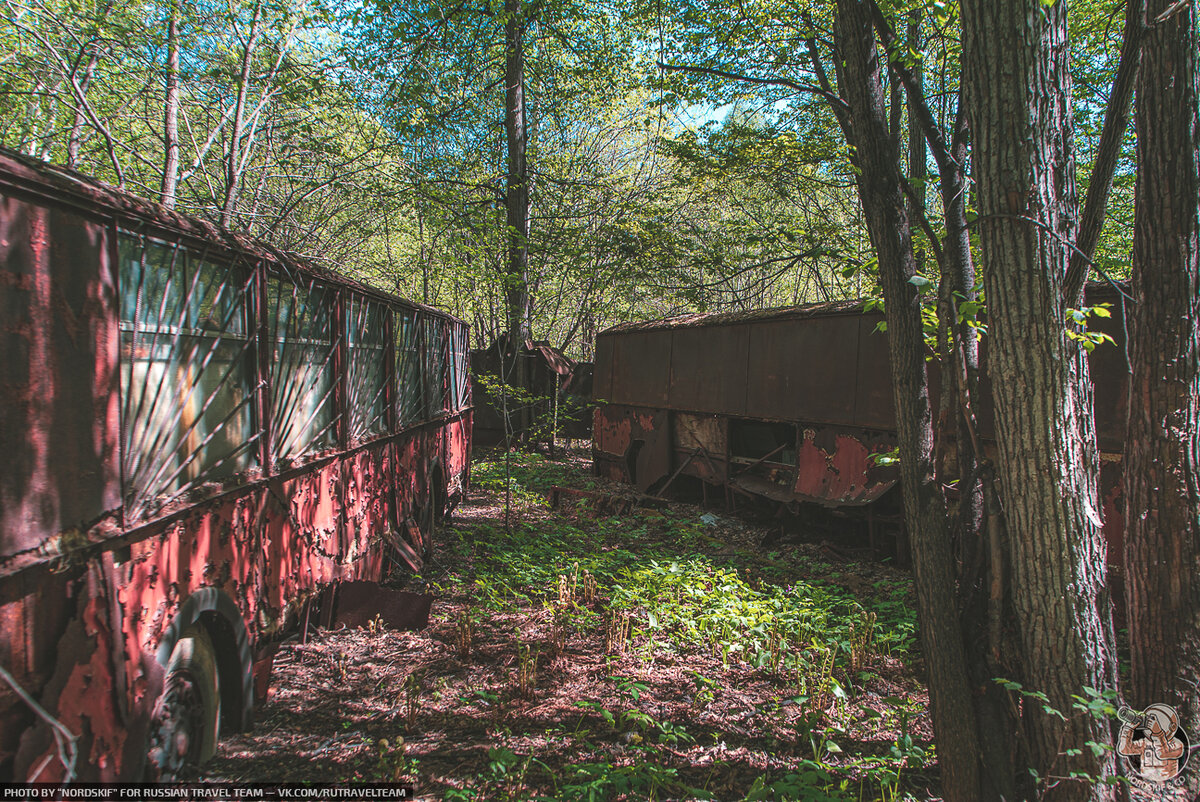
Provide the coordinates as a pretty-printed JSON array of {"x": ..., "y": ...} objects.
[
  {"x": 92, "y": 599},
  {"x": 845, "y": 476},
  {"x": 819, "y": 371}
]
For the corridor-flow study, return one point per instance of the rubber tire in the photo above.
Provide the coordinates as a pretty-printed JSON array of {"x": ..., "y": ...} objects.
[{"x": 189, "y": 709}]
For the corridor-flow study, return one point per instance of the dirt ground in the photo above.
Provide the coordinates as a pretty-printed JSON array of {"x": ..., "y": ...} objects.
[{"x": 511, "y": 701}]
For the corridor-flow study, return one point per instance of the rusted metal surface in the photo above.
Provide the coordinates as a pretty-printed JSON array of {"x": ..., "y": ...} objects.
[
  {"x": 804, "y": 370},
  {"x": 457, "y": 451},
  {"x": 821, "y": 369},
  {"x": 695, "y": 386},
  {"x": 632, "y": 445},
  {"x": 836, "y": 468},
  {"x": 817, "y": 364},
  {"x": 737, "y": 318},
  {"x": 60, "y": 475},
  {"x": 95, "y": 591},
  {"x": 602, "y": 372},
  {"x": 548, "y": 374},
  {"x": 640, "y": 369},
  {"x": 702, "y": 442}
]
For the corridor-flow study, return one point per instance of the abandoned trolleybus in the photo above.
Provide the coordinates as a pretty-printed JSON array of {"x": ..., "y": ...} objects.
[
  {"x": 790, "y": 405},
  {"x": 199, "y": 433}
]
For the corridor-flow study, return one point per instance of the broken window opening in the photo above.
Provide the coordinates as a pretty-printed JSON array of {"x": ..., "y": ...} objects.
[
  {"x": 366, "y": 378},
  {"x": 760, "y": 441},
  {"x": 186, "y": 400},
  {"x": 460, "y": 355},
  {"x": 435, "y": 366},
  {"x": 410, "y": 396},
  {"x": 303, "y": 342}
]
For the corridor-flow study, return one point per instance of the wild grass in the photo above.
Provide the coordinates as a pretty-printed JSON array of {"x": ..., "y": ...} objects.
[{"x": 659, "y": 585}]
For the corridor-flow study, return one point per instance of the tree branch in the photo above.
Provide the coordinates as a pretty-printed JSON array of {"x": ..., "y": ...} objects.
[
  {"x": 1116, "y": 120},
  {"x": 733, "y": 76},
  {"x": 916, "y": 95}
]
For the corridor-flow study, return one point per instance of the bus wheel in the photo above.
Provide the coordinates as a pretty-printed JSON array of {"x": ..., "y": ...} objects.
[{"x": 183, "y": 729}]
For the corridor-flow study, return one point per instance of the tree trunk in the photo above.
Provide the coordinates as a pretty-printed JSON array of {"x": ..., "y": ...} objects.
[
  {"x": 170, "y": 179},
  {"x": 516, "y": 281},
  {"x": 75, "y": 140},
  {"x": 516, "y": 285},
  {"x": 1019, "y": 91},
  {"x": 980, "y": 570},
  {"x": 235, "y": 160},
  {"x": 1162, "y": 449},
  {"x": 877, "y": 158}
]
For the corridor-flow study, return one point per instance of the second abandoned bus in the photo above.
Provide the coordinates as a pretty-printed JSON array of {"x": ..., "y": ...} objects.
[
  {"x": 199, "y": 433},
  {"x": 790, "y": 406}
]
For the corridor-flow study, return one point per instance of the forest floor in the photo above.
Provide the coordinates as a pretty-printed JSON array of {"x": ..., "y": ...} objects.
[{"x": 662, "y": 653}]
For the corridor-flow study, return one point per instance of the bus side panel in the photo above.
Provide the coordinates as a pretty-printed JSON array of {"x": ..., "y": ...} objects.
[
  {"x": 58, "y": 378},
  {"x": 631, "y": 444},
  {"x": 416, "y": 450},
  {"x": 60, "y": 476},
  {"x": 35, "y": 608},
  {"x": 83, "y": 692},
  {"x": 457, "y": 452},
  {"x": 368, "y": 503}
]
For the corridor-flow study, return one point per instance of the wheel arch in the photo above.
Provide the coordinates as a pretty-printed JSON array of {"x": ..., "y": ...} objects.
[{"x": 217, "y": 614}]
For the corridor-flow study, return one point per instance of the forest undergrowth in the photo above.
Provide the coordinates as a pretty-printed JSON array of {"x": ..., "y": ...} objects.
[{"x": 659, "y": 654}]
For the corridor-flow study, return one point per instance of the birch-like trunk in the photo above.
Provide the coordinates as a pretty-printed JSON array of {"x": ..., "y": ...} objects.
[{"x": 170, "y": 180}]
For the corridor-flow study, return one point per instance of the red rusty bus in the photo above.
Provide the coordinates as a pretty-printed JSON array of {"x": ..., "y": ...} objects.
[
  {"x": 789, "y": 405},
  {"x": 200, "y": 434}
]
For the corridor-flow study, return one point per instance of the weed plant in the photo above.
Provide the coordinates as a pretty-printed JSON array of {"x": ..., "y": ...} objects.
[{"x": 655, "y": 582}]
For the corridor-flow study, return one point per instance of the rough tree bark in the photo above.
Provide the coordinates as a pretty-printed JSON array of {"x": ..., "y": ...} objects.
[
  {"x": 516, "y": 196},
  {"x": 1162, "y": 450},
  {"x": 1019, "y": 101},
  {"x": 980, "y": 574},
  {"x": 877, "y": 158}
]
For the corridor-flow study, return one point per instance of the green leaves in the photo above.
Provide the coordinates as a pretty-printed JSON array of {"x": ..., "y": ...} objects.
[{"x": 1078, "y": 321}]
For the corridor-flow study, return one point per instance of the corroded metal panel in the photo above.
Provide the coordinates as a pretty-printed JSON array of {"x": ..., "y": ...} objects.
[
  {"x": 705, "y": 432},
  {"x": 367, "y": 479},
  {"x": 641, "y": 367},
  {"x": 874, "y": 405},
  {"x": 603, "y": 373},
  {"x": 58, "y": 377},
  {"x": 708, "y": 369},
  {"x": 804, "y": 370},
  {"x": 457, "y": 451},
  {"x": 835, "y": 467},
  {"x": 83, "y": 691},
  {"x": 632, "y": 444},
  {"x": 700, "y": 443},
  {"x": 612, "y": 430}
]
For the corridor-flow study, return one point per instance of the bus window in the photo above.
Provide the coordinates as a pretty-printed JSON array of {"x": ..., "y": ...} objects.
[
  {"x": 366, "y": 379},
  {"x": 434, "y": 352},
  {"x": 459, "y": 365},
  {"x": 185, "y": 396},
  {"x": 409, "y": 395},
  {"x": 300, "y": 320}
]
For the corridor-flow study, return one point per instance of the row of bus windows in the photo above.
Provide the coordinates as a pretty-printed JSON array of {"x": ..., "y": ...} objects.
[{"x": 188, "y": 371}]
